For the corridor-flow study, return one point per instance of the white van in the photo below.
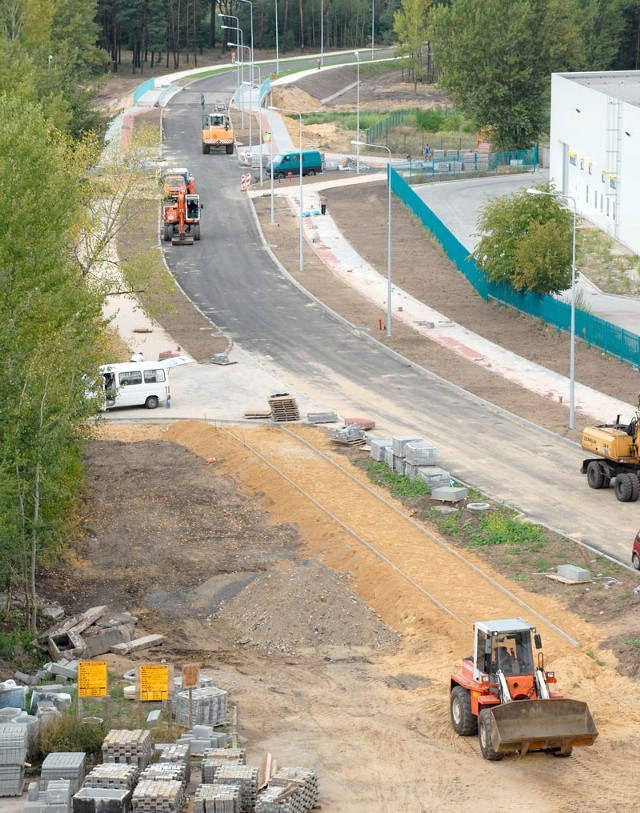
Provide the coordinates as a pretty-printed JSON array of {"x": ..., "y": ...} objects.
[{"x": 139, "y": 383}]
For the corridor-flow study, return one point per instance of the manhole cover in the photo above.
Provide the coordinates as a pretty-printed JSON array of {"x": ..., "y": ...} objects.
[{"x": 478, "y": 506}]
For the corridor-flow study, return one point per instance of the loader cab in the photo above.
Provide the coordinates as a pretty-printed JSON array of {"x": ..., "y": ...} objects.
[
  {"x": 506, "y": 646},
  {"x": 192, "y": 204}
]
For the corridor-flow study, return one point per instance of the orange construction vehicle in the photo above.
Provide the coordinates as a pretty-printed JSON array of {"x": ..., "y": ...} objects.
[
  {"x": 181, "y": 219},
  {"x": 217, "y": 132},
  {"x": 501, "y": 695},
  {"x": 177, "y": 179}
]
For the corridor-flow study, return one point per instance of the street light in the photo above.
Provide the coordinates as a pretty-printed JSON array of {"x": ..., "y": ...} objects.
[
  {"x": 250, "y": 2},
  {"x": 357, "y": 55},
  {"x": 384, "y": 147},
  {"x": 277, "y": 49},
  {"x": 299, "y": 115},
  {"x": 373, "y": 24},
  {"x": 237, "y": 45},
  {"x": 235, "y": 28},
  {"x": 572, "y": 345},
  {"x": 321, "y": 33}
]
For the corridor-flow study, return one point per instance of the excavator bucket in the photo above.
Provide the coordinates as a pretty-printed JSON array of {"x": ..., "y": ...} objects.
[{"x": 540, "y": 725}]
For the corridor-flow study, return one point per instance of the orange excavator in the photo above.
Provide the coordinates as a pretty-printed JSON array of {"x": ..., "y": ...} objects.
[
  {"x": 181, "y": 219},
  {"x": 177, "y": 179},
  {"x": 504, "y": 697}
]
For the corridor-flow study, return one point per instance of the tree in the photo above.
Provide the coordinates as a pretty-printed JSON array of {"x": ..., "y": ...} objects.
[
  {"x": 496, "y": 58},
  {"x": 527, "y": 241},
  {"x": 411, "y": 25},
  {"x": 50, "y": 330}
]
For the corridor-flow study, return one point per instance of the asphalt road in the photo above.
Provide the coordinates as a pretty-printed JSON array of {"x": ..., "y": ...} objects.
[{"x": 233, "y": 279}]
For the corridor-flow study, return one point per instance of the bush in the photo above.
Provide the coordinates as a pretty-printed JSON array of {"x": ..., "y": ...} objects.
[
  {"x": 431, "y": 121},
  {"x": 69, "y": 733}
]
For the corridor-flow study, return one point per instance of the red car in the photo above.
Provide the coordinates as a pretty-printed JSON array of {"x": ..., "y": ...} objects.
[{"x": 635, "y": 553}]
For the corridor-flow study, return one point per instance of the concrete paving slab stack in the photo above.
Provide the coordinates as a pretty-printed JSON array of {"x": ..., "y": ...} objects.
[
  {"x": 378, "y": 448},
  {"x": 56, "y": 798},
  {"x": 158, "y": 796},
  {"x": 420, "y": 453},
  {"x": 287, "y": 799},
  {"x": 214, "y": 758},
  {"x": 64, "y": 765},
  {"x": 209, "y": 705},
  {"x": 12, "y": 695},
  {"x": 102, "y": 800},
  {"x": 201, "y": 737},
  {"x": 174, "y": 771},
  {"x": 112, "y": 775},
  {"x": 129, "y": 747},
  {"x": 433, "y": 476},
  {"x": 180, "y": 754},
  {"x": 302, "y": 778},
  {"x": 13, "y": 754},
  {"x": 217, "y": 799},
  {"x": 246, "y": 777}
]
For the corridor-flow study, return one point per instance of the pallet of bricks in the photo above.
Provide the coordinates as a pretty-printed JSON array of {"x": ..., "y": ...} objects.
[
  {"x": 13, "y": 755},
  {"x": 290, "y": 790},
  {"x": 410, "y": 457}
]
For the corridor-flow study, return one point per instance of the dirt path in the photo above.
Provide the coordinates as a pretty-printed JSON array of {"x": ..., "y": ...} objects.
[{"x": 336, "y": 661}]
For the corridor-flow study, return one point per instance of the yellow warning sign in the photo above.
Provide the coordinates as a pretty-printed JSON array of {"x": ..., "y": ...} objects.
[
  {"x": 92, "y": 678},
  {"x": 153, "y": 682}
]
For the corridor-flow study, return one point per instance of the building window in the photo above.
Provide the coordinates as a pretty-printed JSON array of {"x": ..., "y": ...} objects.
[
  {"x": 582, "y": 163},
  {"x": 603, "y": 176},
  {"x": 590, "y": 168},
  {"x": 572, "y": 158},
  {"x": 613, "y": 181},
  {"x": 607, "y": 207},
  {"x": 595, "y": 198},
  {"x": 586, "y": 194}
]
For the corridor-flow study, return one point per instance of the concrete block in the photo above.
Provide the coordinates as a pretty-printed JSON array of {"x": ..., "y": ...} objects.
[
  {"x": 65, "y": 668},
  {"x": 65, "y": 644},
  {"x": 153, "y": 717},
  {"x": 88, "y": 618},
  {"x": 420, "y": 453},
  {"x": 137, "y": 644},
  {"x": 378, "y": 446},
  {"x": 116, "y": 620},
  {"x": 575, "y": 574},
  {"x": 434, "y": 476},
  {"x": 52, "y": 611},
  {"x": 399, "y": 442},
  {"x": 105, "y": 639},
  {"x": 450, "y": 493}
]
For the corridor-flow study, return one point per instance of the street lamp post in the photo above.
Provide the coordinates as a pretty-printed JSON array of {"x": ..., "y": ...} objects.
[
  {"x": 321, "y": 33},
  {"x": 235, "y": 28},
  {"x": 277, "y": 48},
  {"x": 373, "y": 24},
  {"x": 572, "y": 341},
  {"x": 357, "y": 142},
  {"x": 384, "y": 147},
  {"x": 242, "y": 87},
  {"x": 250, "y": 2},
  {"x": 299, "y": 115}
]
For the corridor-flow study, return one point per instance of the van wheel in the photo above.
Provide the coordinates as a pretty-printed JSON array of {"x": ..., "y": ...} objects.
[
  {"x": 280, "y": 176},
  {"x": 635, "y": 561},
  {"x": 152, "y": 402},
  {"x": 311, "y": 172}
]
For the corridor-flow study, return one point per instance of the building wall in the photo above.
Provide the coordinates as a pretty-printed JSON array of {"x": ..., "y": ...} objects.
[{"x": 595, "y": 152}]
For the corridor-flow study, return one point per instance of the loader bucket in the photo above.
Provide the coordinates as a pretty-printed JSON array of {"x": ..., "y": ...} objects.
[
  {"x": 540, "y": 725},
  {"x": 185, "y": 241}
]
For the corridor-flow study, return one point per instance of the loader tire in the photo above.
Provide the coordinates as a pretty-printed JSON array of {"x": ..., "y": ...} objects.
[
  {"x": 627, "y": 487},
  {"x": 595, "y": 475},
  {"x": 196, "y": 236},
  {"x": 564, "y": 754},
  {"x": 484, "y": 735},
  {"x": 464, "y": 722},
  {"x": 206, "y": 149},
  {"x": 229, "y": 149}
]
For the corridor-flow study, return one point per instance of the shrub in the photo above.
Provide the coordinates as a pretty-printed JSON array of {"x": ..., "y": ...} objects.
[{"x": 68, "y": 732}]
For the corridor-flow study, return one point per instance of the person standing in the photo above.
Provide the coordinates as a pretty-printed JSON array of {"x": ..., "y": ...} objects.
[
  {"x": 202, "y": 102},
  {"x": 323, "y": 204}
]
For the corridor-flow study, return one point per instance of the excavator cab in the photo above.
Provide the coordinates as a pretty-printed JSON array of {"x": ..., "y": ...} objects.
[{"x": 503, "y": 694}]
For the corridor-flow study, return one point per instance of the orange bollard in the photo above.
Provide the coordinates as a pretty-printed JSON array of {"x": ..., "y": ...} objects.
[{"x": 379, "y": 322}]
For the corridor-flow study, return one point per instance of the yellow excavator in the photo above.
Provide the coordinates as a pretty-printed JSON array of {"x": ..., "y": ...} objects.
[
  {"x": 618, "y": 456},
  {"x": 500, "y": 694}
]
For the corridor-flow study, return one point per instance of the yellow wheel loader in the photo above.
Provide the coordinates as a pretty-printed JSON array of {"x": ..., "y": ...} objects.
[
  {"x": 618, "y": 456},
  {"x": 504, "y": 697}
]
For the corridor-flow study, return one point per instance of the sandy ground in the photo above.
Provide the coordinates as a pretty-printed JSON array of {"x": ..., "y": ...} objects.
[{"x": 335, "y": 658}]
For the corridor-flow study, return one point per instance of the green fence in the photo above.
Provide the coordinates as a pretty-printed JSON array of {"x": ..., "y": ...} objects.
[
  {"x": 594, "y": 331},
  {"x": 447, "y": 164},
  {"x": 372, "y": 134}
]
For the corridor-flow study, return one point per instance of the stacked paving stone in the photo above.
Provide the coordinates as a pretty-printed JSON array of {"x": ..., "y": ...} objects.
[
  {"x": 129, "y": 747},
  {"x": 246, "y": 777},
  {"x": 411, "y": 457},
  {"x": 302, "y": 778},
  {"x": 276, "y": 799},
  {"x": 158, "y": 796},
  {"x": 202, "y": 737},
  {"x": 55, "y": 799},
  {"x": 209, "y": 706},
  {"x": 214, "y": 758},
  {"x": 378, "y": 447},
  {"x": 13, "y": 753},
  {"x": 174, "y": 771},
  {"x": 217, "y": 799},
  {"x": 64, "y": 765},
  {"x": 112, "y": 775},
  {"x": 180, "y": 754}
]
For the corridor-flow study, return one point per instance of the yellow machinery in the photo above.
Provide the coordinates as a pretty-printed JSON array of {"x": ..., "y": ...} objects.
[
  {"x": 217, "y": 132},
  {"x": 616, "y": 447}
]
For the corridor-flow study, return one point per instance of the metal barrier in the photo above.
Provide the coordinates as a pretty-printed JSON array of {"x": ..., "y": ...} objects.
[{"x": 595, "y": 332}]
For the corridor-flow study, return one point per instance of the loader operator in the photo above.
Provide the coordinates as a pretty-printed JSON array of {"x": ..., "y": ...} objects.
[{"x": 506, "y": 662}]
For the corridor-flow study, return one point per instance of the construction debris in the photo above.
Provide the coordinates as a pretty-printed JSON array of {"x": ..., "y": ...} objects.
[
  {"x": 351, "y": 435},
  {"x": 322, "y": 417},
  {"x": 88, "y": 635}
]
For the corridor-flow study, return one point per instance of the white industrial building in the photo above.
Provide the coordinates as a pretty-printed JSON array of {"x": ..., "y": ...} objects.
[{"x": 595, "y": 148}]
